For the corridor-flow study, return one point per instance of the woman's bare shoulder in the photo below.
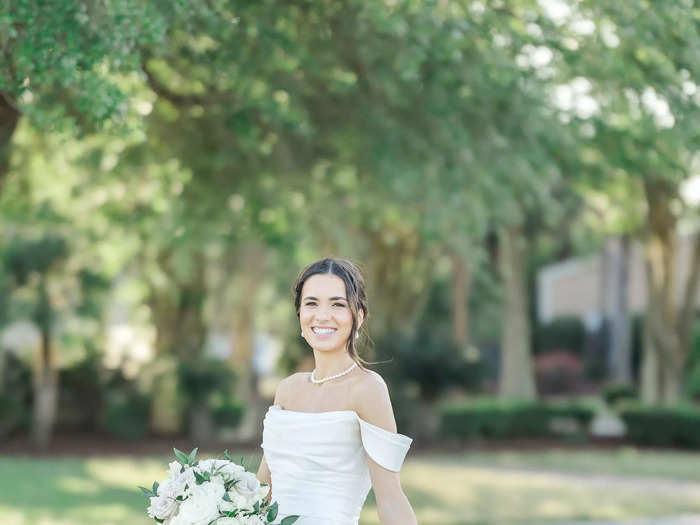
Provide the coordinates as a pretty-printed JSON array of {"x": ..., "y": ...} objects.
[
  {"x": 372, "y": 401},
  {"x": 287, "y": 386}
]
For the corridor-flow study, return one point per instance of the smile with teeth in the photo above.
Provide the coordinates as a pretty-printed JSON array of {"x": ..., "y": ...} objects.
[{"x": 322, "y": 331}]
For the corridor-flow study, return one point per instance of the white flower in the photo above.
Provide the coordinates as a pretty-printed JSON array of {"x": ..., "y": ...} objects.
[
  {"x": 221, "y": 467},
  {"x": 252, "y": 520},
  {"x": 172, "y": 488},
  {"x": 262, "y": 492},
  {"x": 161, "y": 507},
  {"x": 248, "y": 484},
  {"x": 202, "y": 506},
  {"x": 174, "y": 469},
  {"x": 238, "y": 501},
  {"x": 228, "y": 521},
  {"x": 232, "y": 470},
  {"x": 187, "y": 478}
]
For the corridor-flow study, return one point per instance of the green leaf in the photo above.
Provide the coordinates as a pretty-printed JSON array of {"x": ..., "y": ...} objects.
[
  {"x": 272, "y": 512},
  {"x": 181, "y": 457},
  {"x": 192, "y": 455},
  {"x": 199, "y": 478},
  {"x": 289, "y": 520},
  {"x": 155, "y": 487},
  {"x": 226, "y": 497},
  {"x": 146, "y": 492},
  {"x": 227, "y": 456}
]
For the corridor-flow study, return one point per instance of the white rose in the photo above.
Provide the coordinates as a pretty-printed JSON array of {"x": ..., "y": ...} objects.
[
  {"x": 248, "y": 484},
  {"x": 238, "y": 501},
  {"x": 187, "y": 478},
  {"x": 222, "y": 467},
  {"x": 201, "y": 507},
  {"x": 174, "y": 469},
  {"x": 262, "y": 492},
  {"x": 252, "y": 520},
  {"x": 232, "y": 470},
  {"x": 161, "y": 507},
  {"x": 228, "y": 521},
  {"x": 172, "y": 488}
]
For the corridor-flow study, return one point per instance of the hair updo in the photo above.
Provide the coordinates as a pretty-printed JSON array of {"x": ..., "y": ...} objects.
[{"x": 354, "y": 289}]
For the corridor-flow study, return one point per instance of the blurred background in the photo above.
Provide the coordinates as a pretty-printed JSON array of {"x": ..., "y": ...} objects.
[{"x": 519, "y": 181}]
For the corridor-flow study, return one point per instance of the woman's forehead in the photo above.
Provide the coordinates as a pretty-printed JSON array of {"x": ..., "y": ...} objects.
[{"x": 323, "y": 285}]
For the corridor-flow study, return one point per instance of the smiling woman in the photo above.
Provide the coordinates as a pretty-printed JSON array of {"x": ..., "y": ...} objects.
[
  {"x": 331, "y": 303},
  {"x": 336, "y": 424}
]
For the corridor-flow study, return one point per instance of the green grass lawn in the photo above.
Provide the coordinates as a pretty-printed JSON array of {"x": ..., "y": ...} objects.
[{"x": 464, "y": 489}]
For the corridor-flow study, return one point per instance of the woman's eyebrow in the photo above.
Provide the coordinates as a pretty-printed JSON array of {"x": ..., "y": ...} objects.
[{"x": 332, "y": 298}]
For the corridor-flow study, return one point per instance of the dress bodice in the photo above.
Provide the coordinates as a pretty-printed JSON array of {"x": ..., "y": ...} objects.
[{"x": 318, "y": 462}]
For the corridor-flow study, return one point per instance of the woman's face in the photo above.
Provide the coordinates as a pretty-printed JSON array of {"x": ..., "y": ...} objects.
[{"x": 324, "y": 313}]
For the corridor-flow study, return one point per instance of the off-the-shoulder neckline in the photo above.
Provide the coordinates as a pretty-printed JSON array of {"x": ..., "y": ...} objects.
[
  {"x": 315, "y": 413},
  {"x": 404, "y": 436}
]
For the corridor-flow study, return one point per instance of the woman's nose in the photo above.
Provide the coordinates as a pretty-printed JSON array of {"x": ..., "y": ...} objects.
[{"x": 323, "y": 313}]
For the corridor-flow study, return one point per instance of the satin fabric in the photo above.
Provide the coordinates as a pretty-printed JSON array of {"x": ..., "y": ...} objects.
[{"x": 318, "y": 462}]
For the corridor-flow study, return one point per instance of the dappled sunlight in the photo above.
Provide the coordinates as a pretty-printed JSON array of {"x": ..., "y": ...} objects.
[
  {"x": 443, "y": 489},
  {"x": 76, "y": 485},
  {"x": 127, "y": 473}
]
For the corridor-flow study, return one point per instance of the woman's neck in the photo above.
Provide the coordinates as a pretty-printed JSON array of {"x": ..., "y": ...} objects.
[{"x": 331, "y": 364}]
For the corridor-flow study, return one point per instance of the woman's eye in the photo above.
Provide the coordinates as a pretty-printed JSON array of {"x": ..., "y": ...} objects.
[
  {"x": 310, "y": 304},
  {"x": 339, "y": 304}
]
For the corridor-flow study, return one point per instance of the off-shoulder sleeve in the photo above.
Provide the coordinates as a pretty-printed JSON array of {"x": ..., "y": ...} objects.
[{"x": 388, "y": 449}]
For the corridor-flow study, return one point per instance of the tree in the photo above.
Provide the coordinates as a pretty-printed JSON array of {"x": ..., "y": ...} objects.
[
  {"x": 638, "y": 64},
  {"x": 59, "y": 62}
]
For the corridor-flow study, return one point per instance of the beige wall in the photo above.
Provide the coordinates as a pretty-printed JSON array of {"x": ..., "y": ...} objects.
[{"x": 577, "y": 286}]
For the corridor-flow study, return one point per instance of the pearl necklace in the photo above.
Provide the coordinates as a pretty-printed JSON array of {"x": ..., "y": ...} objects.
[{"x": 317, "y": 381}]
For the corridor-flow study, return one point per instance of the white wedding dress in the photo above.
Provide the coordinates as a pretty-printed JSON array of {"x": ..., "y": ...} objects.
[{"x": 318, "y": 462}]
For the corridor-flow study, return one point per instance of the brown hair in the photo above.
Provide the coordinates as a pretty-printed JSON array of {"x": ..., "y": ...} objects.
[{"x": 354, "y": 289}]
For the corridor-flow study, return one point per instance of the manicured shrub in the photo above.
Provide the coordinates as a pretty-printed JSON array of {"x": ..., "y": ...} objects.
[
  {"x": 662, "y": 426},
  {"x": 616, "y": 392},
  {"x": 126, "y": 414},
  {"x": 502, "y": 419},
  {"x": 228, "y": 414},
  {"x": 561, "y": 333},
  {"x": 15, "y": 397}
]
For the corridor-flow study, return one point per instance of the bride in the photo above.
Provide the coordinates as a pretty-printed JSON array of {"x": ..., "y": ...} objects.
[{"x": 331, "y": 434}]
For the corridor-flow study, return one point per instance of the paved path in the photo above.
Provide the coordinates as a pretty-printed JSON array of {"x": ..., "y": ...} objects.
[
  {"x": 675, "y": 486},
  {"x": 672, "y": 520}
]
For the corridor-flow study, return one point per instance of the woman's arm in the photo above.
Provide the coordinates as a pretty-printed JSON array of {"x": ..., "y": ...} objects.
[
  {"x": 374, "y": 406},
  {"x": 264, "y": 476}
]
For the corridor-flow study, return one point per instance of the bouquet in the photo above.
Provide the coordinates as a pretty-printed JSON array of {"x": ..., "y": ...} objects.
[{"x": 210, "y": 492}]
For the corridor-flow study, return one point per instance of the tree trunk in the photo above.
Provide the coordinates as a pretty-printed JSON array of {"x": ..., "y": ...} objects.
[
  {"x": 9, "y": 117},
  {"x": 617, "y": 276},
  {"x": 177, "y": 311},
  {"x": 650, "y": 387},
  {"x": 669, "y": 319},
  {"x": 516, "y": 374},
  {"x": 461, "y": 280},
  {"x": 45, "y": 373},
  {"x": 243, "y": 325}
]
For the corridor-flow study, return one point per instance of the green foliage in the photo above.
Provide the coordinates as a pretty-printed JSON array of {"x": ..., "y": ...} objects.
[
  {"x": 613, "y": 393},
  {"x": 59, "y": 59},
  {"x": 662, "y": 426},
  {"x": 692, "y": 386},
  {"x": 126, "y": 414},
  {"x": 15, "y": 396},
  {"x": 562, "y": 333},
  {"x": 503, "y": 419},
  {"x": 82, "y": 390},
  {"x": 228, "y": 414},
  {"x": 203, "y": 379}
]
